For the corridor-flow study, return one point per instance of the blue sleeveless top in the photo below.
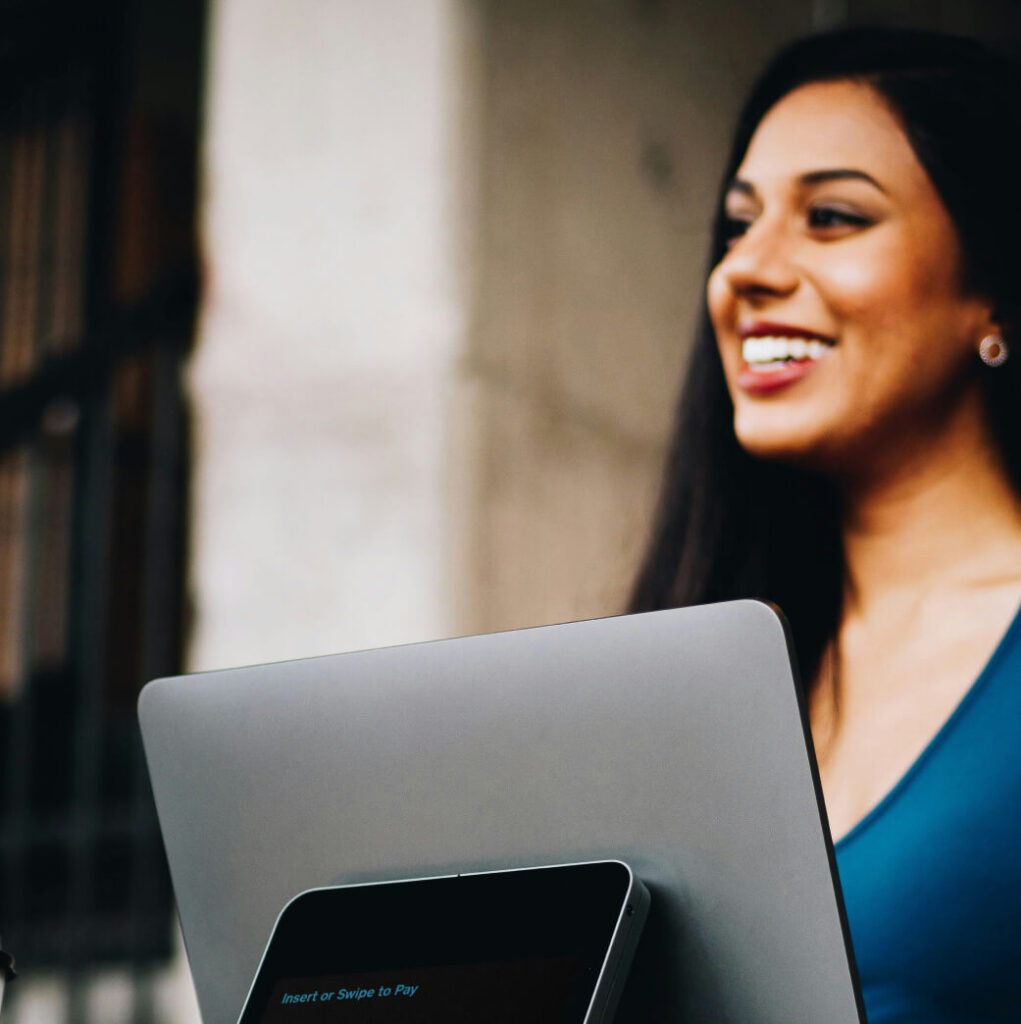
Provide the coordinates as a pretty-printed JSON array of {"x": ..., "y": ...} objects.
[{"x": 932, "y": 875}]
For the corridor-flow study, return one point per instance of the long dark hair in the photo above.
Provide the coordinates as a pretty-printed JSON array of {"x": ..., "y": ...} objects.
[{"x": 729, "y": 525}]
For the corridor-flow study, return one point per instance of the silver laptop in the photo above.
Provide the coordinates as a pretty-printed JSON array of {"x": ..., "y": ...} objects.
[{"x": 676, "y": 741}]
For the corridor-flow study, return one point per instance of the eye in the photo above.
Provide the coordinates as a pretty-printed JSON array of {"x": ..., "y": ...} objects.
[
  {"x": 829, "y": 218},
  {"x": 734, "y": 228}
]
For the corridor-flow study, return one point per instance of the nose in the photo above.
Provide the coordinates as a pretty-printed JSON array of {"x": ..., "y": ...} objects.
[{"x": 760, "y": 262}]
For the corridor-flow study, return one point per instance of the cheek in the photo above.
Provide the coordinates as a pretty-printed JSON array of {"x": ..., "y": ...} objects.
[
  {"x": 886, "y": 298},
  {"x": 906, "y": 341}
]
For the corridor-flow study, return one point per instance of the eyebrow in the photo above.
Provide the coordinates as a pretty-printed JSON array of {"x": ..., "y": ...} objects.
[{"x": 813, "y": 178}]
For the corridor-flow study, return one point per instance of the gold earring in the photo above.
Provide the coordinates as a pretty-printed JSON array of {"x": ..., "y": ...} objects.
[{"x": 993, "y": 350}]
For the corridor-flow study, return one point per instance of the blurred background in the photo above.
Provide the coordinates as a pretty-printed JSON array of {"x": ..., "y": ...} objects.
[{"x": 324, "y": 324}]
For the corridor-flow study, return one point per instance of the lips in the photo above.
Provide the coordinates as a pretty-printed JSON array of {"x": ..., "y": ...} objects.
[
  {"x": 778, "y": 355},
  {"x": 771, "y": 329},
  {"x": 760, "y": 382}
]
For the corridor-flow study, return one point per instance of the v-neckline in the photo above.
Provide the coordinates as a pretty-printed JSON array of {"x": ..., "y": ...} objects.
[{"x": 938, "y": 738}]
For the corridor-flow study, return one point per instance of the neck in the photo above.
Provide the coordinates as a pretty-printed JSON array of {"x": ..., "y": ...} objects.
[{"x": 941, "y": 515}]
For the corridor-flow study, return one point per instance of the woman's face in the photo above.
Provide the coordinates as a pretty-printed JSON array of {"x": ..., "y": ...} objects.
[{"x": 839, "y": 309}]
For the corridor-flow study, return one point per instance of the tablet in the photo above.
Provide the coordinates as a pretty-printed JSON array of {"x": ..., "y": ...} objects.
[{"x": 550, "y": 945}]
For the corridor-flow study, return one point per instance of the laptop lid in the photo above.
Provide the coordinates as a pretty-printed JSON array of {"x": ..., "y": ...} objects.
[{"x": 676, "y": 741}]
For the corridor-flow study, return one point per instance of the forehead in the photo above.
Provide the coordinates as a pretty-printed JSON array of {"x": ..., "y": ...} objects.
[{"x": 828, "y": 125}]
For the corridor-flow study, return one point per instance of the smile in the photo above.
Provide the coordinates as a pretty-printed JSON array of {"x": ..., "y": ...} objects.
[
  {"x": 771, "y": 353},
  {"x": 773, "y": 362}
]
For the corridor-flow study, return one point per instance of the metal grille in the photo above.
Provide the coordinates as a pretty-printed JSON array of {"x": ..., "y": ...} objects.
[{"x": 93, "y": 436}]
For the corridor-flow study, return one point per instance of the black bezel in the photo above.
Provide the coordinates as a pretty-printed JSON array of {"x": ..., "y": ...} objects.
[{"x": 502, "y": 916}]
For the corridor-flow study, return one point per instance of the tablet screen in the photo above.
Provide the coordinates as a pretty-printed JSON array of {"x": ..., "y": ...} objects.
[
  {"x": 517, "y": 990},
  {"x": 497, "y": 947}
]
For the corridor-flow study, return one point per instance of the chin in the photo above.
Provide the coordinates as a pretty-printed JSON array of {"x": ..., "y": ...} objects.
[{"x": 777, "y": 439}]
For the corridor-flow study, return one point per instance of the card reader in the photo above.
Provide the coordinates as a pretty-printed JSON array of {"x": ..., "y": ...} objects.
[{"x": 548, "y": 945}]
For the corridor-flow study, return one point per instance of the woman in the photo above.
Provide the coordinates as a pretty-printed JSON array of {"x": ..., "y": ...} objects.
[{"x": 849, "y": 446}]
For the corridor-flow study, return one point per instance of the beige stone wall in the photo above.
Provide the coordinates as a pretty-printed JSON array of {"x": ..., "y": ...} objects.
[
  {"x": 331, "y": 324},
  {"x": 602, "y": 130}
]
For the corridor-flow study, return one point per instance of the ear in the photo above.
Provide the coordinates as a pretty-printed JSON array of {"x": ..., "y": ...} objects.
[{"x": 989, "y": 322}]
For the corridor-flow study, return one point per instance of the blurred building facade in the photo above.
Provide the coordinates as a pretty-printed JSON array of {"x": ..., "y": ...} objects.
[{"x": 98, "y": 144}]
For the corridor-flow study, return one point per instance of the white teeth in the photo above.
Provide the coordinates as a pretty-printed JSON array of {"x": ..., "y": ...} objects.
[{"x": 774, "y": 349}]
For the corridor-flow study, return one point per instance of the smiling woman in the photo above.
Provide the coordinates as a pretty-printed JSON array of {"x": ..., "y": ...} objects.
[{"x": 849, "y": 446}]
